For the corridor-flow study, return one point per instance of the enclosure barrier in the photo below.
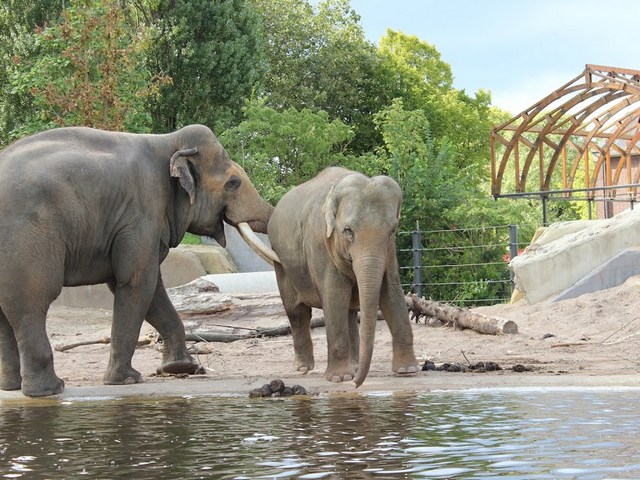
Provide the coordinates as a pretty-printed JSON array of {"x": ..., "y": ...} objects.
[{"x": 464, "y": 266}]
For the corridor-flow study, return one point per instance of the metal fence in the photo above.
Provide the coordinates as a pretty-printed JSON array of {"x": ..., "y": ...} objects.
[{"x": 464, "y": 266}]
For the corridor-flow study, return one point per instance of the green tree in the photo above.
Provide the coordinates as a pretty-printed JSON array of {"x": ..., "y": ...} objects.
[
  {"x": 19, "y": 21},
  {"x": 212, "y": 52},
  {"x": 282, "y": 149},
  {"x": 431, "y": 182},
  {"x": 319, "y": 59},
  {"x": 85, "y": 70},
  {"x": 424, "y": 81},
  {"x": 418, "y": 71}
]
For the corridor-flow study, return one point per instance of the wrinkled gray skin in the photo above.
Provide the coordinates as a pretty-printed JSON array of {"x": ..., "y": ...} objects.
[
  {"x": 79, "y": 207},
  {"x": 335, "y": 236}
]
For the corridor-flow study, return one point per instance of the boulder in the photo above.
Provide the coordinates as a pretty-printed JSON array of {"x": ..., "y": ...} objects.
[{"x": 214, "y": 258}]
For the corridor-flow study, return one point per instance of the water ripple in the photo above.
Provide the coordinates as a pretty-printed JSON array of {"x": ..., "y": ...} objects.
[{"x": 590, "y": 434}]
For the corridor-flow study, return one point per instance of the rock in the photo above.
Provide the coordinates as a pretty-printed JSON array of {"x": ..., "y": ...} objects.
[
  {"x": 275, "y": 389},
  {"x": 199, "y": 297},
  {"x": 181, "y": 266},
  {"x": 213, "y": 258},
  {"x": 256, "y": 393},
  {"x": 428, "y": 365},
  {"x": 277, "y": 386},
  {"x": 287, "y": 391},
  {"x": 298, "y": 390}
]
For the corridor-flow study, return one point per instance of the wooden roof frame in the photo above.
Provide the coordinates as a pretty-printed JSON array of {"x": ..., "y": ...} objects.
[{"x": 589, "y": 127}]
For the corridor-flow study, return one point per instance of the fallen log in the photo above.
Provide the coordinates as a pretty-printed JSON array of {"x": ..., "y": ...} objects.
[
  {"x": 103, "y": 340},
  {"x": 459, "y": 317},
  {"x": 204, "y": 336}
]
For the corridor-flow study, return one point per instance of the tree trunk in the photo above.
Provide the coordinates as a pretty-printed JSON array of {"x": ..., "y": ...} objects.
[{"x": 459, "y": 317}]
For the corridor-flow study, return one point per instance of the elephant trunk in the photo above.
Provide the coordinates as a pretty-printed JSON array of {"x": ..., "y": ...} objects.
[
  {"x": 253, "y": 217},
  {"x": 369, "y": 272},
  {"x": 255, "y": 213}
]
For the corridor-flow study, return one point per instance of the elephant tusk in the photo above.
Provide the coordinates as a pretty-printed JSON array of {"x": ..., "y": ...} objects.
[{"x": 256, "y": 245}]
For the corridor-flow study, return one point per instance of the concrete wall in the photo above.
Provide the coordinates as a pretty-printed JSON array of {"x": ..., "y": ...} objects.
[
  {"x": 245, "y": 259},
  {"x": 567, "y": 252}
]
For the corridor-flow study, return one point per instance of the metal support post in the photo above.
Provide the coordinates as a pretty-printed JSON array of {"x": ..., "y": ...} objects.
[{"x": 416, "y": 239}]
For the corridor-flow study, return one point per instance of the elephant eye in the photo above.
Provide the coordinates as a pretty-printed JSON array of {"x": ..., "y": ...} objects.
[
  {"x": 232, "y": 184},
  {"x": 348, "y": 233}
]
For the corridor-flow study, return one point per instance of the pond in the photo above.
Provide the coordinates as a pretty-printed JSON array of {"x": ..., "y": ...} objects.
[{"x": 528, "y": 434}]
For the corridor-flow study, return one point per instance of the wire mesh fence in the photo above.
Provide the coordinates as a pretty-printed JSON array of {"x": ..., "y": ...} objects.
[{"x": 463, "y": 266}]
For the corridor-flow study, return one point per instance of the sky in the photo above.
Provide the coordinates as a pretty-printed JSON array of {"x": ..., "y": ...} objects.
[{"x": 520, "y": 50}]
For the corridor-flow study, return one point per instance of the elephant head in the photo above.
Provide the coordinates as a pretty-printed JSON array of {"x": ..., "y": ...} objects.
[
  {"x": 362, "y": 216},
  {"x": 218, "y": 190}
]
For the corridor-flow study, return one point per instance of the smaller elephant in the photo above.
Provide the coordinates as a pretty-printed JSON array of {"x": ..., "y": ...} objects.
[{"x": 335, "y": 239}]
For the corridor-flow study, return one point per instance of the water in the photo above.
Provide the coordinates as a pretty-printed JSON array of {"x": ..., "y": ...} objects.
[{"x": 584, "y": 434}]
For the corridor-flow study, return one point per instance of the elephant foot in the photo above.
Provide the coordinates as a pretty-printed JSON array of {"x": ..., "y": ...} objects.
[
  {"x": 304, "y": 369},
  {"x": 181, "y": 366},
  {"x": 405, "y": 362},
  {"x": 53, "y": 386},
  {"x": 340, "y": 378},
  {"x": 13, "y": 383},
  {"x": 409, "y": 369},
  {"x": 303, "y": 365},
  {"x": 339, "y": 375},
  {"x": 127, "y": 376}
]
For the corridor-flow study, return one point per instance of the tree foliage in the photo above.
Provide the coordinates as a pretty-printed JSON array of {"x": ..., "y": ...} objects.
[
  {"x": 212, "y": 53},
  {"x": 281, "y": 149},
  {"x": 319, "y": 59},
  {"x": 85, "y": 69}
]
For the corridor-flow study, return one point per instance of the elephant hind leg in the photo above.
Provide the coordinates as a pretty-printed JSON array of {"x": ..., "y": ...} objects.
[
  {"x": 10, "y": 378},
  {"x": 300, "y": 320},
  {"x": 163, "y": 317},
  {"x": 299, "y": 316}
]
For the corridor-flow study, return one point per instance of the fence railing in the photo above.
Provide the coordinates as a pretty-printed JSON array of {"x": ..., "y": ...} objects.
[{"x": 465, "y": 266}]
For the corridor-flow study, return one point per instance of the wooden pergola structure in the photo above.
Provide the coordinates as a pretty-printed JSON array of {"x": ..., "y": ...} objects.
[{"x": 579, "y": 142}]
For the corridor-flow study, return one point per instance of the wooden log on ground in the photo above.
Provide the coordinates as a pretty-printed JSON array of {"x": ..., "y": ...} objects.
[
  {"x": 103, "y": 340},
  {"x": 459, "y": 317},
  {"x": 204, "y": 336}
]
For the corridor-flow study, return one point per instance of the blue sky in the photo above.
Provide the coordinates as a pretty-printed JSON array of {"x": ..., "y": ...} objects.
[{"x": 520, "y": 50}]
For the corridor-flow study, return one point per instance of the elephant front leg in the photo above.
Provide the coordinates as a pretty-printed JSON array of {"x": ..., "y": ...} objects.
[
  {"x": 10, "y": 378},
  {"x": 340, "y": 322},
  {"x": 354, "y": 338},
  {"x": 394, "y": 310},
  {"x": 163, "y": 317}
]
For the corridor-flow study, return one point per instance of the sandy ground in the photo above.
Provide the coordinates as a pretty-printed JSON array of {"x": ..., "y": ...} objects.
[{"x": 591, "y": 340}]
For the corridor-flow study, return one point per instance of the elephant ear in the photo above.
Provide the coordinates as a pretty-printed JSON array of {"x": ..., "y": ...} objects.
[
  {"x": 330, "y": 208},
  {"x": 179, "y": 167}
]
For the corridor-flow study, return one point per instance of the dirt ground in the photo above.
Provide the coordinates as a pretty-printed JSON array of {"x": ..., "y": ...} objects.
[{"x": 593, "y": 337}]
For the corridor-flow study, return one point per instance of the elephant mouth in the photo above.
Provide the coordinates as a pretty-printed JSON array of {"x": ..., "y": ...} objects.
[{"x": 218, "y": 233}]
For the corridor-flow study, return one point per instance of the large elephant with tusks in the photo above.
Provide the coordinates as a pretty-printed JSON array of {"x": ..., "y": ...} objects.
[
  {"x": 335, "y": 239},
  {"x": 80, "y": 206}
]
